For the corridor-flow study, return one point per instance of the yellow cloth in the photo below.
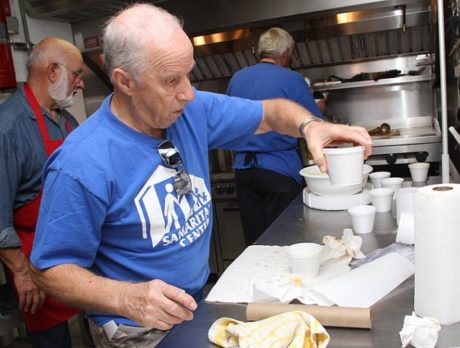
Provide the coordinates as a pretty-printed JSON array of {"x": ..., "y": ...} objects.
[{"x": 295, "y": 329}]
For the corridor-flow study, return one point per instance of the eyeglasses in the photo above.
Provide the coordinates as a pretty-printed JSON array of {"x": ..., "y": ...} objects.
[
  {"x": 171, "y": 157},
  {"x": 76, "y": 74}
]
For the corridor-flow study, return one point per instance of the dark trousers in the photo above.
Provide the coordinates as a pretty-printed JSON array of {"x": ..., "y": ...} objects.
[
  {"x": 262, "y": 195},
  {"x": 56, "y": 337}
]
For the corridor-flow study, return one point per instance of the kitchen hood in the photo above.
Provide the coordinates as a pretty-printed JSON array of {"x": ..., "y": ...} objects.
[{"x": 225, "y": 33}]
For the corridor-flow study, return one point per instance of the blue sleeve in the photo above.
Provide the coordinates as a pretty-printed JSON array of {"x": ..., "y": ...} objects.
[
  {"x": 9, "y": 169},
  {"x": 231, "y": 120},
  {"x": 69, "y": 223}
]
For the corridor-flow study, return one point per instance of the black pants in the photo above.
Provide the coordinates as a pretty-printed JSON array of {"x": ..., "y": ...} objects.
[
  {"x": 57, "y": 336},
  {"x": 262, "y": 195}
]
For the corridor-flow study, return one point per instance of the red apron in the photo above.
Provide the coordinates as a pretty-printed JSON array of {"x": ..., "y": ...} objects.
[{"x": 53, "y": 311}]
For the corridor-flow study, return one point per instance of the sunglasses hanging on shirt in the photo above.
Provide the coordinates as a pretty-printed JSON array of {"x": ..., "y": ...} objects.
[{"x": 171, "y": 158}]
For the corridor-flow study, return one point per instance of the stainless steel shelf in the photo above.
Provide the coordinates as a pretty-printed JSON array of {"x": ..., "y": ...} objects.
[{"x": 371, "y": 83}]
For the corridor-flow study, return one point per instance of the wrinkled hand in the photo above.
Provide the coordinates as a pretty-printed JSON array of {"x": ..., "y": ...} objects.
[
  {"x": 30, "y": 297},
  {"x": 320, "y": 134},
  {"x": 156, "y": 304}
]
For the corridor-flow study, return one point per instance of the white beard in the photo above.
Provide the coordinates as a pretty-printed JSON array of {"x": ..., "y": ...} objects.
[{"x": 58, "y": 91}]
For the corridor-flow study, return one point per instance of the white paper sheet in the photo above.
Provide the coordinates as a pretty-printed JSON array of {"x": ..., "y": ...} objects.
[
  {"x": 256, "y": 261},
  {"x": 367, "y": 284}
]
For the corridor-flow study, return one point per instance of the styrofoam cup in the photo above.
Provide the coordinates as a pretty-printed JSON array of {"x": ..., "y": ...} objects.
[
  {"x": 394, "y": 183},
  {"x": 405, "y": 201},
  {"x": 345, "y": 165},
  {"x": 304, "y": 259},
  {"x": 419, "y": 171},
  {"x": 406, "y": 228},
  {"x": 377, "y": 177},
  {"x": 381, "y": 199},
  {"x": 362, "y": 218}
]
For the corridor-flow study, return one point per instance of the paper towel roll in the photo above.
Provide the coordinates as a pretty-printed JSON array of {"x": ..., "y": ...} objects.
[
  {"x": 327, "y": 316},
  {"x": 437, "y": 256}
]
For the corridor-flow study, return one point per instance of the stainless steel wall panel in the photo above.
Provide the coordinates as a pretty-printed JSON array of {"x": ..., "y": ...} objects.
[
  {"x": 324, "y": 51},
  {"x": 314, "y": 52},
  {"x": 241, "y": 59},
  {"x": 201, "y": 63},
  {"x": 335, "y": 51},
  {"x": 303, "y": 53},
  {"x": 345, "y": 48},
  {"x": 216, "y": 72},
  {"x": 222, "y": 65},
  {"x": 250, "y": 57},
  {"x": 230, "y": 59}
]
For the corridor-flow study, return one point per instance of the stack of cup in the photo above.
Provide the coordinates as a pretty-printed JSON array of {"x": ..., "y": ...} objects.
[{"x": 405, "y": 201}]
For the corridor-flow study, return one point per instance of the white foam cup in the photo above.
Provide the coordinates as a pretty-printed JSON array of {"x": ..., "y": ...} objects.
[
  {"x": 381, "y": 199},
  {"x": 406, "y": 229},
  {"x": 394, "y": 183},
  {"x": 362, "y": 218},
  {"x": 304, "y": 259},
  {"x": 405, "y": 201},
  {"x": 377, "y": 177},
  {"x": 419, "y": 171},
  {"x": 345, "y": 165}
]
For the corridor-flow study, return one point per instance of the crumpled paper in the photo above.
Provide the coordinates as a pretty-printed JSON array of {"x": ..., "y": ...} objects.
[
  {"x": 337, "y": 254},
  {"x": 283, "y": 286},
  {"x": 420, "y": 332},
  {"x": 294, "y": 329}
]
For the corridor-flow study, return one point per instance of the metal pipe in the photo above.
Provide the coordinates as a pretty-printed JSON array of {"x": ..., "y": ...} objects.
[
  {"x": 442, "y": 71},
  {"x": 24, "y": 26}
]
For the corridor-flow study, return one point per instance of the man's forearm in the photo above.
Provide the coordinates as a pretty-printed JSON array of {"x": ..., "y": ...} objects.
[
  {"x": 79, "y": 287},
  {"x": 15, "y": 260},
  {"x": 283, "y": 116}
]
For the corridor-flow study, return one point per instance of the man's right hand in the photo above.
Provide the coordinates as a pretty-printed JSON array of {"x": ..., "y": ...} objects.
[
  {"x": 156, "y": 304},
  {"x": 30, "y": 297}
]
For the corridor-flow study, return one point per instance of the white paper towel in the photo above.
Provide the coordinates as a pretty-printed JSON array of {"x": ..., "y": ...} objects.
[{"x": 437, "y": 256}]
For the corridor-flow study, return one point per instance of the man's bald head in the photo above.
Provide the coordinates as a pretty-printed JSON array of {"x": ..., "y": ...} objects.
[
  {"x": 48, "y": 51},
  {"x": 132, "y": 33}
]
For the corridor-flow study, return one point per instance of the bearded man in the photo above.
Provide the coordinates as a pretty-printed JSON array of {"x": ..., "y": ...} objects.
[{"x": 33, "y": 123}]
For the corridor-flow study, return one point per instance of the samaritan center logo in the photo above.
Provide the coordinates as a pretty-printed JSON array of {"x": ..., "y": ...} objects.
[{"x": 168, "y": 218}]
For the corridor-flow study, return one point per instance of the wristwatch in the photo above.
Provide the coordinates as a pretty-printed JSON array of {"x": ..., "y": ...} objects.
[{"x": 306, "y": 123}]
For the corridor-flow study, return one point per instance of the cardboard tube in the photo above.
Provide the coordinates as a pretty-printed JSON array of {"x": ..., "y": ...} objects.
[{"x": 327, "y": 316}]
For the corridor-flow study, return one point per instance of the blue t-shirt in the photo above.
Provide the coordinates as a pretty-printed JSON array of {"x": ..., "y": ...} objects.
[
  {"x": 274, "y": 151},
  {"x": 109, "y": 203}
]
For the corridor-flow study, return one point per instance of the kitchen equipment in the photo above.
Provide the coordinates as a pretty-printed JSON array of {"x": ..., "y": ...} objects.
[{"x": 228, "y": 234}]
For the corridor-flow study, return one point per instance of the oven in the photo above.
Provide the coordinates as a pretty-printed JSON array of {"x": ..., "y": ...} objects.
[{"x": 228, "y": 237}]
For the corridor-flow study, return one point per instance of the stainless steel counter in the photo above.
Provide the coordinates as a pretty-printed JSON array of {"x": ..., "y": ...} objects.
[{"x": 298, "y": 224}]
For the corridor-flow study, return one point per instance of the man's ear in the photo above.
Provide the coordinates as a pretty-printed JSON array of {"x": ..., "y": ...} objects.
[
  {"x": 123, "y": 80},
  {"x": 52, "y": 71}
]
